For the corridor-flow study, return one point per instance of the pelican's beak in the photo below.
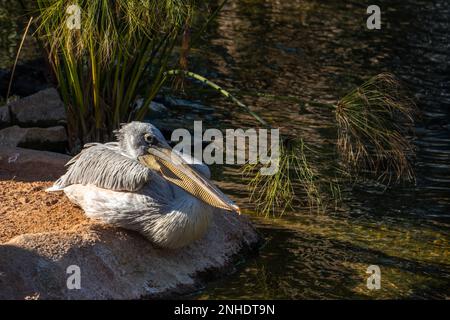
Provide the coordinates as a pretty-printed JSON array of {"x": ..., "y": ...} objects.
[{"x": 174, "y": 169}]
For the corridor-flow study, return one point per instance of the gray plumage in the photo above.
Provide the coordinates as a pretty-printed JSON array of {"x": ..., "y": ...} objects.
[
  {"x": 111, "y": 185},
  {"x": 104, "y": 166}
]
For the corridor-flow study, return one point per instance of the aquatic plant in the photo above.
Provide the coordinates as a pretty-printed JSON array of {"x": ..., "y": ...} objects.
[
  {"x": 374, "y": 128},
  {"x": 373, "y": 121},
  {"x": 119, "y": 55},
  {"x": 294, "y": 179},
  {"x": 17, "y": 58}
]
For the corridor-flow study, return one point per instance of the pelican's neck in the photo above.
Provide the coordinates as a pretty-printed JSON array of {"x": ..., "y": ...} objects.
[{"x": 186, "y": 221}]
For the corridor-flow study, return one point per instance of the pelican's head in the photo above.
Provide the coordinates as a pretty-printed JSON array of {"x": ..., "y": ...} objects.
[{"x": 144, "y": 142}]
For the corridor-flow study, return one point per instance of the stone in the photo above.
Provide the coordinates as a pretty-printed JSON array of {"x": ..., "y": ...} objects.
[
  {"x": 30, "y": 164},
  {"x": 111, "y": 263},
  {"x": 157, "y": 107},
  {"x": 187, "y": 104},
  {"x": 11, "y": 136},
  {"x": 118, "y": 264},
  {"x": 154, "y": 106},
  {"x": 5, "y": 117},
  {"x": 50, "y": 139},
  {"x": 42, "y": 109}
]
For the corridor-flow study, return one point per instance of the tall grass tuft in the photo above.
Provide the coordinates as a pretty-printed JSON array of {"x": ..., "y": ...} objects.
[
  {"x": 119, "y": 54},
  {"x": 295, "y": 178},
  {"x": 374, "y": 122}
]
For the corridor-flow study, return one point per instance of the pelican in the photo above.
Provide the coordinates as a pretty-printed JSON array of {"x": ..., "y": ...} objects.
[{"x": 140, "y": 183}]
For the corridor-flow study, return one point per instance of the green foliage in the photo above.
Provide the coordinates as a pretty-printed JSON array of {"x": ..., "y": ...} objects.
[
  {"x": 120, "y": 54},
  {"x": 274, "y": 194},
  {"x": 374, "y": 122}
]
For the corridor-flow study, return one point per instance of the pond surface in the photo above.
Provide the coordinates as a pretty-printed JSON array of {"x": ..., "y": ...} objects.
[{"x": 320, "y": 50}]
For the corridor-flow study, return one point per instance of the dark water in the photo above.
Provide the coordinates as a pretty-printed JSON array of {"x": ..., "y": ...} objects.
[{"x": 320, "y": 50}]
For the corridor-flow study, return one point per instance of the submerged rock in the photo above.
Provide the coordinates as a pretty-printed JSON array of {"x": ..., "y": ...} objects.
[
  {"x": 187, "y": 105},
  {"x": 157, "y": 107},
  {"x": 112, "y": 263},
  {"x": 154, "y": 106}
]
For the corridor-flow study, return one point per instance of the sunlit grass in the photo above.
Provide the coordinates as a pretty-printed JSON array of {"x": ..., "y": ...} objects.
[
  {"x": 374, "y": 122},
  {"x": 274, "y": 194},
  {"x": 119, "y": 55}
]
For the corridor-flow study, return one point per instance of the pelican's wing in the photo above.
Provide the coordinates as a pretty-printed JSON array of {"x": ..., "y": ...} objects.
[{"x": 104, "y": 166}]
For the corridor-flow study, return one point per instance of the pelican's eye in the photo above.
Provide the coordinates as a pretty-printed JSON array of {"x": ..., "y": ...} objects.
[{"x": 148, "y": 138}]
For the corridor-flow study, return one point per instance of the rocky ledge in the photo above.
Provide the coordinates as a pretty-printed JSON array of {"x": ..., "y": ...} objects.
[
  {"x": 44, "y": 238},
  {"x": 36, "y": 122}
]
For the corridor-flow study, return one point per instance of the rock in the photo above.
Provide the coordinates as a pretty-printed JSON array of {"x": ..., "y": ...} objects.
[
  {"x": 11, "y": 136},
  {"x": 154, "y": 106},
  {"x": 113, "y": 263},
  {"x": 157, "y": 107},
  {"x": 5, "y": 117},
  {"x": 49, "y": 139},
  {"x": 186, "y": 104},
  {"x": 29, "y": 165},
  {"x": 117, "y": 264},
  {"x": 43, "y": 109}
]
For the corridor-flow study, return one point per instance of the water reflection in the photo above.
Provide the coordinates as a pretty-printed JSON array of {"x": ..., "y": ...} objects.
[{"x": 321, "y": 50}]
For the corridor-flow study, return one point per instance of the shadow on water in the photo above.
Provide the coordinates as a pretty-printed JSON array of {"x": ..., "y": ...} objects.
[{"x": 308, "y": 266}]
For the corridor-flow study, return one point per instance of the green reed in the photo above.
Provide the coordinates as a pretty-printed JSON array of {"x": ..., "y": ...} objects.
[
  {"x": 374, "y": 123},
  {"x": 119, "y": 55}
]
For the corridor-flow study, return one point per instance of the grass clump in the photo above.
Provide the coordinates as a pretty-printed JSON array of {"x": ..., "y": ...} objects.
[
  {"x": 294, "y": 179},
  {"x": 119, "y": 54},
  {"x": 374, "y": 122}
]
